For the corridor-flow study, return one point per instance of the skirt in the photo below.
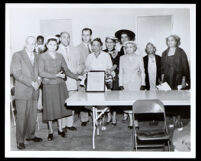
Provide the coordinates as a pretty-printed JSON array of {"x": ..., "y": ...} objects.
[{"x": 54, "y": 96}]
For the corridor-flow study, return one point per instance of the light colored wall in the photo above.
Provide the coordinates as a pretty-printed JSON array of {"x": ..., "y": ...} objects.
[{"x": 104, "y": 22}]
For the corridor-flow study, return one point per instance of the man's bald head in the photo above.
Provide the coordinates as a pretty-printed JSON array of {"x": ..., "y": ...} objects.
[
  {"x": 65, "y": 38},
  {"x": 30, "y": 43}
]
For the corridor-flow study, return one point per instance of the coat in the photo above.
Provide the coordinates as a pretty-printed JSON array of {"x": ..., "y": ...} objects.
[
  {"x": 24, "y": 73},
  {"x": 83, "y": 53},
  {"x": 131, "y": 72},
  {"x": 180, "y": 65},
  {"x": 158, "y": 70},
  {"x": 72, "y": 61}
]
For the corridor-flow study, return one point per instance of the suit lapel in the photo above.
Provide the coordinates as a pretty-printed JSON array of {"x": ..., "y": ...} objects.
[{"x": 27, "y": 60}]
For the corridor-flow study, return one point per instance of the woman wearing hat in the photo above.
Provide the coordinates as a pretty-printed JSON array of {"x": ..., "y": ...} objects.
[
  {"x": 110, "y": 43},
  {"x": 131, "y": 74},
  {"x": 123, "y": 36},
  {"x": 54, "y": 87}
]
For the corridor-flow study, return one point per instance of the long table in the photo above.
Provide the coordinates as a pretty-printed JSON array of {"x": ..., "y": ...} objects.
[{"x": 124, "y": 98}]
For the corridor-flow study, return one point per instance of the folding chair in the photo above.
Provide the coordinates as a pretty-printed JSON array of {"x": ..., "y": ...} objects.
[
  {"x": 155, "y": 136},
  {"x": 12, "y": 99}
]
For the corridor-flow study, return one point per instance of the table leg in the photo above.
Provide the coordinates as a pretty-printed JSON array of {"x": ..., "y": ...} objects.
[{"x": 94, "y": 127}]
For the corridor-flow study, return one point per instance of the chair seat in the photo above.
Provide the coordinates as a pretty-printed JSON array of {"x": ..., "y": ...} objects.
[{"x": 146, "y": 135}]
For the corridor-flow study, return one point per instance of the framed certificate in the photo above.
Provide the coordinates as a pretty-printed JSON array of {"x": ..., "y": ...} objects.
[{"x": 95, "y": 81}]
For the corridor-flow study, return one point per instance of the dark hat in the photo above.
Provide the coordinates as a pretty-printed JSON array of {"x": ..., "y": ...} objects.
[{"x": 130, "y": 34}]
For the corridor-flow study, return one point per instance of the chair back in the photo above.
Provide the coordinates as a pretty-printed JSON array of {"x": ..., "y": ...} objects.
[{"x": 148, "y": 106}]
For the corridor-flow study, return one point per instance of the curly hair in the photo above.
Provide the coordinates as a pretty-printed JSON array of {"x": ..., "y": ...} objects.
[
  {"x": 176, "y": 38},
  {"x": 97, "y": 39}
]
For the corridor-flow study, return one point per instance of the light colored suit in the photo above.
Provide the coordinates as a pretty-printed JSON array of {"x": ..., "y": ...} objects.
[
  {"x": 72, "y": 60},
  {"x": 25, "y": 95},
  {"x": 83, "y": 53},
  {"x": 71, "y": 57}
]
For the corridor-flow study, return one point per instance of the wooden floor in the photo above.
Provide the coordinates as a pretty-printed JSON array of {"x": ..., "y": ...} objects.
[{"x": 116, "y": 138}]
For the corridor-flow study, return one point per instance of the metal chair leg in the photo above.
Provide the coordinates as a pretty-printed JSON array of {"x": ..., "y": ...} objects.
[
  {"x": 13, "y": 115},
  {"x": 94, "y": 127}
]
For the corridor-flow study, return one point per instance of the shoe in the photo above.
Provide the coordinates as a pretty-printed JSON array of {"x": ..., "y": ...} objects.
[
  {"x": 21, "y": 146},
  {"x": 35, "y": 139},
  {"x": 84, "y": 123},
  {"x": 114, "y": 124},
  {"x": 72, "y": 128},
  {"x": 64, "y": 129},
  {"x": 50, "y": 137},
  {"x": 130, "y": 127},
  {"x": 62, "y": 133}
]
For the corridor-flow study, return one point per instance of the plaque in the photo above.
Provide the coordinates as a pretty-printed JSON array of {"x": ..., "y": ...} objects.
[{"x": 95, "y": 81}]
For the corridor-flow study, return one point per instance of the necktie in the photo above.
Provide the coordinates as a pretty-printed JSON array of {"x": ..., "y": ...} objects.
[
  {"x": 88, "y": 48},
  {"x": 67, "y": 55},
  {"x": 32, "y": 58}
]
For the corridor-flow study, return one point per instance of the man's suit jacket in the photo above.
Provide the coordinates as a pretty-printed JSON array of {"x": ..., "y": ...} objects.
[
  {"x": 72, "y": 61},
  {"x": 158, "y": 70},
  {"x": 24, "y": 73},
  {"x": 83, "y": 53}
]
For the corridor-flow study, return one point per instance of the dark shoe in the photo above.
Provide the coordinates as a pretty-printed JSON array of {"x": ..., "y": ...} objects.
[
  {"x": 130, "y": 127},
  {"x": 114, "y": 124},
  {"x": 84, "y": 123},
  {"x": 35, "y": 139},
  {"x": 21, "y": 146},
  {"x": 72, "y": 128},
  {"x": 50, "y": 137},
  {"x": 62, "y": 134},
  {"x": 64, "y": 129}
]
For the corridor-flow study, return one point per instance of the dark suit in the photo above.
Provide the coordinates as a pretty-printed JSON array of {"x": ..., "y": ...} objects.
[
  {"x": 158, "y": 70},
  {"x": 25, "y": 95}
]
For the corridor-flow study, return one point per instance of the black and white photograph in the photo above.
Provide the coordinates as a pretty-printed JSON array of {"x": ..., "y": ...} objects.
[{"x": 100, "y": 80}]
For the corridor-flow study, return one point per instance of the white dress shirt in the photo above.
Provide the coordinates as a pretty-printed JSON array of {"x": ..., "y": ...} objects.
[
  {"x": 102, "y": 62},
  {"x": 152, "y": 72},
  {"x": 31, "y": 56}
]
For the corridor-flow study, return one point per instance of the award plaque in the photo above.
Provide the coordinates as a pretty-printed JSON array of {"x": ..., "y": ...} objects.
[{"x": 95, "y": 81}]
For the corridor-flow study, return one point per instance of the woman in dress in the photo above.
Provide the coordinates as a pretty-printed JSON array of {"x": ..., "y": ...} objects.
[
  {"x": 54, "y": 87},
  {"x": 175, "y": 70},
  {"x": 174, "y": 64},
  {"x": 110, "y": 43},
  {"x": 152, "y": 66},
  {"x": 131, "y": 74}
]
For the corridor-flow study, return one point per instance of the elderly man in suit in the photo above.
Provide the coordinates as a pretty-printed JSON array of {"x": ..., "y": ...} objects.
[
  {"x": 71, "y": 57},
  {"x": 24, "y": 67},
  {"x": 84, "y": 49}
]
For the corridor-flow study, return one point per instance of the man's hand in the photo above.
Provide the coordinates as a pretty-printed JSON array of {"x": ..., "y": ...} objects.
[
  {"x": 60, "y": 75},
  {"x": 142, "y": 88},
  {"x": 121, "y": 88}
]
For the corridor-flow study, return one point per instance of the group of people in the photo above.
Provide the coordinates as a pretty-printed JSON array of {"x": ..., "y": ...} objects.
[{"x": 56, "y": 66}]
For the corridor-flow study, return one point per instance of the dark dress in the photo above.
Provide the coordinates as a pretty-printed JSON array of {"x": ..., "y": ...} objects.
[
  {"x": 54, "y": 88},
  {"x": 115, "y": 60},
  {"x": 158, "y": 70},
  {"x": 175, "y": 67},
  {"x": 121, "y": 52}
]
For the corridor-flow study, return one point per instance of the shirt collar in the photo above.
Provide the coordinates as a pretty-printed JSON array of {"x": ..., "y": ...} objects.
[{"x": 29, "y": 53}]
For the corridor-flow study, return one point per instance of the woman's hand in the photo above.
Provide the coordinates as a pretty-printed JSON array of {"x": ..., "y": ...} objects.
[
  {"x": 108, "y": 71},
  {"x": 60, "y": 75}
]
